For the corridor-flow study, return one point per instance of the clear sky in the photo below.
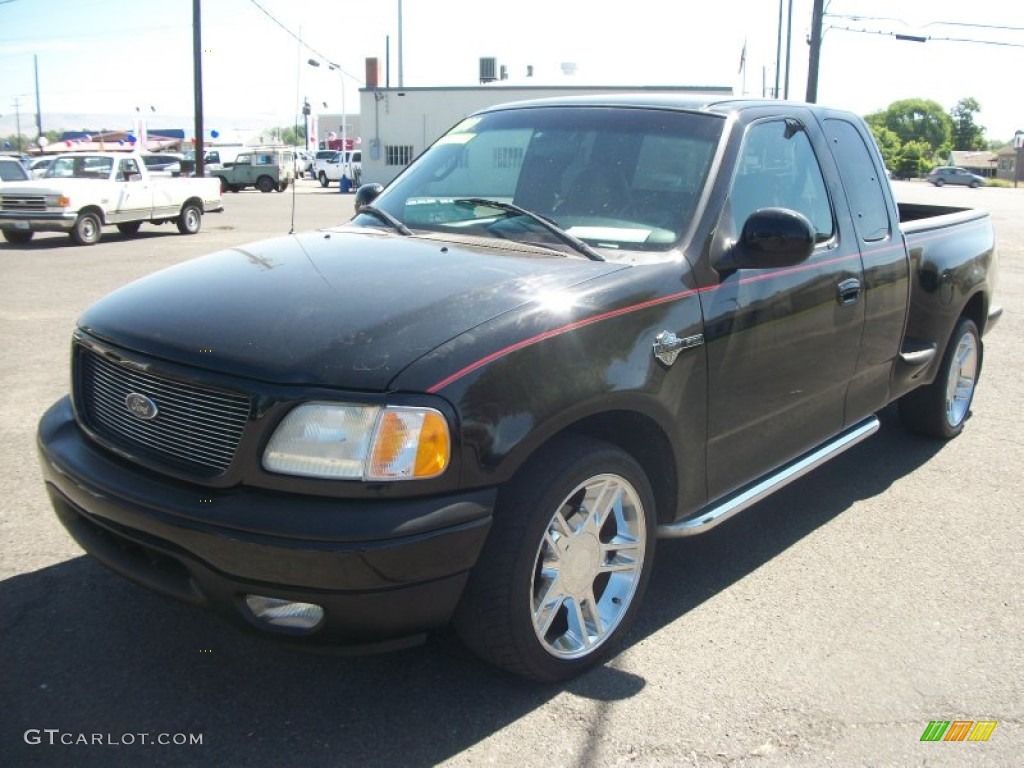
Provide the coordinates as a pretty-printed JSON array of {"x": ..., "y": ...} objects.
[{"x": 103, "y": 57}]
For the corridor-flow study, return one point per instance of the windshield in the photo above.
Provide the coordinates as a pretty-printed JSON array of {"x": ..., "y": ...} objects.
[{"x": 614, "y": 178}]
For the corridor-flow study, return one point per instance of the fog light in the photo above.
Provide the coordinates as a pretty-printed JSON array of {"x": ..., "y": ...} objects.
[{"x": 284, "y": 613}]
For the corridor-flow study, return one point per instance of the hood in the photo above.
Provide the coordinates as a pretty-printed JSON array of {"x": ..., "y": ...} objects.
[
  {"x": 339, "y": 308},
  {"x": 52, "y": 186}
]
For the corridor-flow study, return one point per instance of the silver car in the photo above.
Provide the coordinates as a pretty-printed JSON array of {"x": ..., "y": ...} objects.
[{"x": 951, "y": 174}]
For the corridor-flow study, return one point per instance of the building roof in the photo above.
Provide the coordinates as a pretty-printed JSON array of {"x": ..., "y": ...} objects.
[{"x": 973, "y": 159}]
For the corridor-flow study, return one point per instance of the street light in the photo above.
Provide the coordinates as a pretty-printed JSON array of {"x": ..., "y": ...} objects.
[{"x": 345, "y": 154}]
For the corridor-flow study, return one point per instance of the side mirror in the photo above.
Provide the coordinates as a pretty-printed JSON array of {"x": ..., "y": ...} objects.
[
  {"x": 366, "y": 194},
  {"x": 771, "y": 237}
]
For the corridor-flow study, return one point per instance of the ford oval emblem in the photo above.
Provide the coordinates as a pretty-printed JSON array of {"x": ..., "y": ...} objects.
[{"x": 140, "y": 406}]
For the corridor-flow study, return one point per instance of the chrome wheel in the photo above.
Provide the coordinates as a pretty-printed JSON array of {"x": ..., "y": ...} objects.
[
  {"x": 963, "y": 375},
  {"x": 566, "y": 561},
  {"x": 588, "y": 566},
  {"x": 941, "y": 408}
]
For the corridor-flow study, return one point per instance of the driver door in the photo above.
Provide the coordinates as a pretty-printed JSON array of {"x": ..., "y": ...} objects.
[{"x": 782, "y": 343}]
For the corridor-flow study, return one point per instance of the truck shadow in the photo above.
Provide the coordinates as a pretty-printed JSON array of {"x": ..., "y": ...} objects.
[{"x": 87, "y": 653}]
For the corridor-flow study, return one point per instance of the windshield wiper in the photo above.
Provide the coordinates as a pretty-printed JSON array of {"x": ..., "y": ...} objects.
[
  {"x": 511, "y": 208},
  {"x": 387, "y": 218}
]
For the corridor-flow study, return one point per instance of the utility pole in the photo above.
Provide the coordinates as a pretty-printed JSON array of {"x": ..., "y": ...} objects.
[
  {"x": 401, "y": 79},
  {"x": 39, "y": 111},
  {"x": 197, "y": 74},
  {"x": 817, "y": 13},
  {"x": 17, "y": 117},
  {"x": 778, "y": 54}
]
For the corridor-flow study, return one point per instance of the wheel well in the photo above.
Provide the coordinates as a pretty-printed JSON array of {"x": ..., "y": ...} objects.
[
  {"x": 94, "y": 209},
  {"x": 977, "y": 310},
  {"x": 193, "y": 201},
  {"x": 644, "y": 439}
]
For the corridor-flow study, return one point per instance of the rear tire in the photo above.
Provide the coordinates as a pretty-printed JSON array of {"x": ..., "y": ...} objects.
[
  {"x": 565, "y": 564},
  {"x": 87, "y": 229},
  {"x": 265, "y": 184},
  {"x": 941, "y": 408},
  {"x": 190, "y": 219},
  {"x": 17, "y": 236}
]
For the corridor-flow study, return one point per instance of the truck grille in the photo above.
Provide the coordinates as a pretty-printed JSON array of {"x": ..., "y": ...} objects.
[
  {"x": 193, "y": 428},
  {"x": 22, "y": 203}
]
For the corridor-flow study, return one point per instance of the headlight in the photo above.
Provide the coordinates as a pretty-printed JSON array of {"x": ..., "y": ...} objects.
[
  {"x": 360, "y": 442},
  {"x": 57, "y": 201}
]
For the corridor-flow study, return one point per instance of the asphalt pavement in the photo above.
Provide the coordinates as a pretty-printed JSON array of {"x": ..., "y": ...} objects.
[{"x": 828, "y": 625}]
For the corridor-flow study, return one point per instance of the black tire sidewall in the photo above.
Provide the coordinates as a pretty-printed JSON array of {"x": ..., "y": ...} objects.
[
  {"x": 183, "y": 225},
  {"x": 525, "y": 508},
  {"x": 923, "y": 410}
]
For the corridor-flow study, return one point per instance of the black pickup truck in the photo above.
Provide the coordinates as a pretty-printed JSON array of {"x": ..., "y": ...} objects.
[{"x": 569, "y": 328}]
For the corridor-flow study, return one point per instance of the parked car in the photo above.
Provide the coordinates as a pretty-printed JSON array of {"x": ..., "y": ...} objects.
[
  {"x": 38, "y": 166},
  {"x": 11, "y": 169},
  {"x": 265, "y": 168},
  {"x": 162, "y": 162},
  {"x": 318, "y": 157},
  {"x": 83, "y": 192},
  {"x": 951, "y": 174},
  {"x": 571, "y": 327},
  {"x": 333, "y": 167}
]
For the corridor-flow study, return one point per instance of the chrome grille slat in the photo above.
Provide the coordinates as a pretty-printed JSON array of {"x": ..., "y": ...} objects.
[
  {"x": 172, "y": 445},
  {"x": 196, "y": 428}
]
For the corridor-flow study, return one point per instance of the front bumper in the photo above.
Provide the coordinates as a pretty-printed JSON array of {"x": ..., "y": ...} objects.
[
  {"x": 38, "y": 221},
  {"x": 384, "y": 571}
]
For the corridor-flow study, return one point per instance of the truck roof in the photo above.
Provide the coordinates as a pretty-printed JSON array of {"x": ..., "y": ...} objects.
[{"x": 686, "y": 102}]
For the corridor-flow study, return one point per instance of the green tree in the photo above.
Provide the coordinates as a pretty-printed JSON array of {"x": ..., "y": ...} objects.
[
  {"x": 889, "y": 144},
  {"x": 914, "y": 160},
  {"x": 292, "y": 136},
  {"x": 966, "y": 133},
  {"x": 921, "y": 120}
]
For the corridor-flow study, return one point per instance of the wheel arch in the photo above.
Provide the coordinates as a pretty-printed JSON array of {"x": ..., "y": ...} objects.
[
  {"x": 93, "y": 208},
  {"x": 194, "y": 200},
  {"x": 638, "y": 434}
]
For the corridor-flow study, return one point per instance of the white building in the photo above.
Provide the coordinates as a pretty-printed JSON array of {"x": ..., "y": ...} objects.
[{"x": 397, "y": 124}]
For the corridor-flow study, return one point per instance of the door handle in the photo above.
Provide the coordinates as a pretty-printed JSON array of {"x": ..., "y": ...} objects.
[{"x": 848, "y": 291}]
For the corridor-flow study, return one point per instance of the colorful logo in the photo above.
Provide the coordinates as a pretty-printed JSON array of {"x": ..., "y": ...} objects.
[{"x": 958, "y": 730}]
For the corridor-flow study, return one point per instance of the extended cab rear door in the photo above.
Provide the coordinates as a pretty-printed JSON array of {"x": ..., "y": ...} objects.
[
  {"x": 782, "y": 342},
  {"x": 136, "y": 194},
  {"x": 884, "y": 260}
]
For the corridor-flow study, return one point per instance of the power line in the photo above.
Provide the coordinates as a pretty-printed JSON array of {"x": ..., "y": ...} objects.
[
  {"x": 925, "y": 38},
  {"x": 304, "y": 44}
]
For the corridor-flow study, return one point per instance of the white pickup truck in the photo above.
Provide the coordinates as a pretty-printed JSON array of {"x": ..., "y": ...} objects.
[
  {"x": 333, "y": 167},
  {"x": 82, "y": 192}
]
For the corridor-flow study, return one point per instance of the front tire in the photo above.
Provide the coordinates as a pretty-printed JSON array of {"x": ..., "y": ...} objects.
[
  {"x": 941, "y": 408},
  {"x": 566, "y": 562},
  {"x": 17, "y": 236},
  {"x": 87, "y": 229},
  {"x": 190, "y": 219},
  {"x": 323, "y": 179}
]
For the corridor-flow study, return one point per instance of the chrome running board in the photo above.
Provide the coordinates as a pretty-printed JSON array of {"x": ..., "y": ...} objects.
[{"x": 736, "y": 502}]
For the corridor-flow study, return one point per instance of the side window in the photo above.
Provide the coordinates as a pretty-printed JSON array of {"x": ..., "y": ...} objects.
[
  {"x": 777, "y": 168},
  {"x": 861, "y": 180}
]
